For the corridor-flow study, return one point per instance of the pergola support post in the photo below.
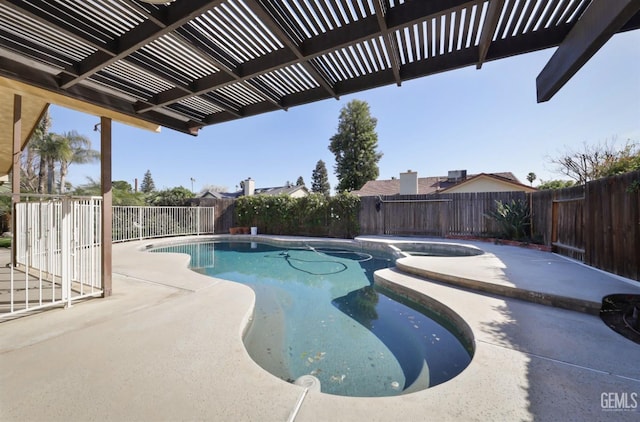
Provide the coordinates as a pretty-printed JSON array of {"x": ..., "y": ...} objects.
[
  {"x": 107, "y": 210},
  {"x": 15, "y": 168}
]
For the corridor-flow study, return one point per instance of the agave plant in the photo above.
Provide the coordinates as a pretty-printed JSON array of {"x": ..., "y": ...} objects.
[{"x": 513, "y": 217}]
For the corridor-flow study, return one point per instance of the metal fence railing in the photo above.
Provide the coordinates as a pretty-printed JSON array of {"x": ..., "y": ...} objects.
[
  {"x": 55, "y": 256},
  {"x": 137, "y": 223}
]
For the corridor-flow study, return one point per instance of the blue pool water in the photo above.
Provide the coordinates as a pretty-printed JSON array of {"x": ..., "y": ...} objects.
[{"x": 319, "y": 313}]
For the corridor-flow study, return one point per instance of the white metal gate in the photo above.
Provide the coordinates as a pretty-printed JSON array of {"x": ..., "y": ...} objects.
[{"x": 56, "y": 254}]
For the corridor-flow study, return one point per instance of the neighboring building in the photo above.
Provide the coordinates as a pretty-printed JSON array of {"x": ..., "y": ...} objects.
[
  {"x": 293, "y": 191},
  {"x": 217, "y": 195},
  {"x": 457, "y": 181},
  {"x": 249, "y": 189}
]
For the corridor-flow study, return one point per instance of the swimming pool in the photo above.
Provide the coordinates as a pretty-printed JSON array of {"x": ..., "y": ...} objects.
[{"x": 319, "y": 313}]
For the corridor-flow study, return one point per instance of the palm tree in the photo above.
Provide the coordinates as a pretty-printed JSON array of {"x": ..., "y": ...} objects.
[
  {"x": 30, "y": 172},
  {"x": 81, "y": 153},
  {"x": 48, "y": 149},
  {"x": 42, "y": 145},
  {"x": 531, "y": 177},
  {"x": 52, "y": 149}
]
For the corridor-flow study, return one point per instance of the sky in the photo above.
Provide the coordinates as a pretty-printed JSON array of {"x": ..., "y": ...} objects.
[{"x": 482, "y": 121}]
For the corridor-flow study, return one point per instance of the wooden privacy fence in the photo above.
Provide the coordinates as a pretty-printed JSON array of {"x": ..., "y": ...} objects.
[
  {"x": 558, "y": 219},
  {"x": 442, "y": 215},
  {"x": 597, "y": 223},
  {"x": 612, "y": 224}
]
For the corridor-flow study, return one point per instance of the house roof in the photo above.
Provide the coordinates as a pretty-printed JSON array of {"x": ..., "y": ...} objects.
[
  {"x": 217, "y": 195},
  {"x": 426, "y": 185},
  {"x": 507, "y": 178},
  {"x": 278, "y": 190},
  {"x": 286, "y": 190}
]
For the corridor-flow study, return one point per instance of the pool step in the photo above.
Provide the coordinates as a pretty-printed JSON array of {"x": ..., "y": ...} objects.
[{"x": 542, "y": 298}]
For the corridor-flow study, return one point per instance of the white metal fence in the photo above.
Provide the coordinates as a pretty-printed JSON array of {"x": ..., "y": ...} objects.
[
  {"x": 55, "y": 256},
  {"x": 136, "y": 223}
]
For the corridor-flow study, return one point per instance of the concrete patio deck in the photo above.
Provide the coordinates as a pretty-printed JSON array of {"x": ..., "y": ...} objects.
[{"x": 168, "y": 346}]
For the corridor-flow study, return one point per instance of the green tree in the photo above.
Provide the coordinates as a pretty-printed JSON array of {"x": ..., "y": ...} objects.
[
  {"x": 555, "y": 184},
  {"x": 354, "y": 146},
  {"x": 122, "y": 192},
  {"x": 147, "y": 185},
  {"x": 5, "y": 210},
  {"x": 531, "y": 177},
  {"x": 320, "y": 179},
  {"x": 595, "y": 161},
  {"x": 174, "y": 197},
  {"x": 300, "y": 181},
  {"x": 627, "y": 159},
  {"x": 121, "y": 185}
]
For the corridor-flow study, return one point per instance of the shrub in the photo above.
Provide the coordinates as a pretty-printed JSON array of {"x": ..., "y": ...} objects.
[
  {"x": 314, "y": 215},
  {"x": 513, "y": 217}
]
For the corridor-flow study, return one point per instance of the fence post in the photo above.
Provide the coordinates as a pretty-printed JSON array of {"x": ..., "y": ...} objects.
[
  {"x": 65, "y": 250},
  {"x": 198, "y": 222},
  {"x": 139, "y": 223},
  {"x": 554, "y": 221}
]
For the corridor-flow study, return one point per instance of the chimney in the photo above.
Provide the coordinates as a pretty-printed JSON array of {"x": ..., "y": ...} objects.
[
  {"x": 249, "y": 187},
  {"x": 457, "y": 175},
  {"x": 409, "y": 183}
]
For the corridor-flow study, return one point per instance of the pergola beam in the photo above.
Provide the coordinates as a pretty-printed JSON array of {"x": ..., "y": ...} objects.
[
  {"x": 596, "y": 26},
  {"x": 489, "y": 29},
  {"x": 390, "y": 43}
]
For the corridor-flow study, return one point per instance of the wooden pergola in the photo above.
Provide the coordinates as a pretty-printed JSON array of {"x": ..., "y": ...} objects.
[{"x": 187, "y": 64}]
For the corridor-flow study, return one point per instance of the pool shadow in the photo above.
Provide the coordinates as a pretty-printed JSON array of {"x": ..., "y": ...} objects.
[
  {"x": 362, "y": 306},
  {"x": 425, "y": 348}
]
